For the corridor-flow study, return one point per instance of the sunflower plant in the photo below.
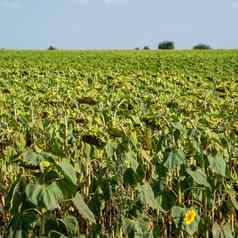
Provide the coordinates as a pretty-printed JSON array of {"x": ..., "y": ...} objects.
[{"x": 186, "y": 219}]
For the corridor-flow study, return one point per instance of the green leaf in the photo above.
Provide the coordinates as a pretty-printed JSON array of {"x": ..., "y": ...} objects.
[
  {"x": 156, "y": 231},
  {"x": 192, "y": 228},
  {"x": 149, "y": 195},
  {"x": 33, "y": 158},
  {"x": 131, "y": 160},
  {"x": 116, "y": 132},
  {"x": 140, "y": 173},
  {"x": 56, "y": 234},
  {"x": 109, "y": 149},
  {"x": 50, "y": 222},
  {"x": 68, "y": 171},
  {"x": 68, "y": 189},
  {"x": 15, "y": 196},
  {"x": 136, "y": 119},
  {"x": 47, "y": 196},
  {"x": 177, "y": 214},
  {"x": 129, "y": 177},
  {"x": 71, "y": 224},
  {"x": 21, "y": 224},
  {"x": 169, "y": 199},
  {"x": 217, "y": 165},
  {"x": 196, "y": 146},
  {"x": 199, "y": 177},
  {"x": 175, "y": 160},
  {"x": 227, "y": 231},
  {"x": 82, "y": 208},
  {"x": 57, "y": 150}
]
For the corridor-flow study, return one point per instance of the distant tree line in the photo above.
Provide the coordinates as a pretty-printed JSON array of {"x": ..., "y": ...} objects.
[
  {"x": 170, "y": 45},
  {"x": 164, "y": 45}
]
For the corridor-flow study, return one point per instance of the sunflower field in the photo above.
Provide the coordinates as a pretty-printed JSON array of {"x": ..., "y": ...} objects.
[{"x": 119, "y": 144}]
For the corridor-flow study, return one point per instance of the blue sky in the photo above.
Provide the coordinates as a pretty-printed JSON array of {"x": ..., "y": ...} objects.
[{"x": 97, "y": 24}]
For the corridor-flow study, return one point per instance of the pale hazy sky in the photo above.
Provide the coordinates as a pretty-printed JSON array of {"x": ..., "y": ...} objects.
[{"x": 117, "y": 23}]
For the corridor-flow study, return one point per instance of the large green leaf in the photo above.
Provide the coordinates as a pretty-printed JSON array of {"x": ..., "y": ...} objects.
[
  {"x": 15, "y": 196},
  {"x": 149, "y": 196},
  {"x": 199, "y": 177},
  {"x": 21, "y": 224},
  {"x": 68, "y": 171},
  {"x": 82, "y": 208},
  {"x": 175, "y": 160},
  {"x": 129, "y": 177},
  {"x": 48, "y": 196},
  {"x": 217, "y": 165}
]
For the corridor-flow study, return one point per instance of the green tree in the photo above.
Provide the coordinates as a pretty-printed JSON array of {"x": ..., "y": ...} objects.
[
  {"x": 166, "y": 45},
  {"x": 51, "y": 47},
  {"x": 201, "y": 46}
]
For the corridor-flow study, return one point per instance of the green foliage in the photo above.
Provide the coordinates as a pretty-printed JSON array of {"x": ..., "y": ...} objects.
[
  {"x": 166, "y": 45},
  {"x": 118, "y": 144},
  {"x": 174, "y": 160},
  {"x": 179, "y": 214},
  {"x": 83, "y": 208},
  {"x": 44, "y": 196},
  {"x": 201, "y": 47},
  {"x": 146, "y": 47},
  {"x": 199, "y": 177},
  {"x": 51, "y": 47},
  {"x": 217, "y": 164}
]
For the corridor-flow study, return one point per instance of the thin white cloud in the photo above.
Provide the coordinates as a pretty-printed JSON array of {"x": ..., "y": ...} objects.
[{"x": 10, "y": 4}]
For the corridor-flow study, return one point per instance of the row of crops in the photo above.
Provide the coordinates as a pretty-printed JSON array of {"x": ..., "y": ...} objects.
[{"x": 119, "y": 144}]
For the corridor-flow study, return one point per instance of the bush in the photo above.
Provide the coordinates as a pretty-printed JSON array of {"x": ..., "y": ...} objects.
[
  {"x": 166, "y": 45},
  {"x": 201, "y": 47},
  {"x": 51, "y": 48},
  {"x": 146, "y": 47}
]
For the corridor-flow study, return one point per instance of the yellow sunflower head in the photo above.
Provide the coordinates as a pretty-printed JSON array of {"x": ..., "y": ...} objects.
[{"x": 189, "y": 216}]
